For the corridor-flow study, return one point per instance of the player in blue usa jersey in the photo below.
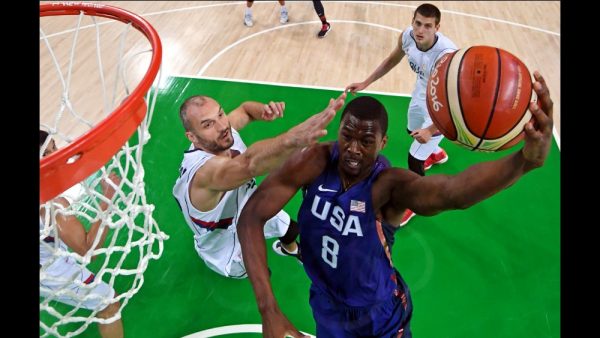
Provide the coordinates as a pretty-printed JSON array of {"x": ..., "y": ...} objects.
[{"x": 350, "y": 193}]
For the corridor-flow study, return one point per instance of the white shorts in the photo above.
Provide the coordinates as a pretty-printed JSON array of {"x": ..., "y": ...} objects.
[
  {"x": 68, "y": 282},
  {"x": 233, "y": 265},
  {"x": 418, "y": 118}
]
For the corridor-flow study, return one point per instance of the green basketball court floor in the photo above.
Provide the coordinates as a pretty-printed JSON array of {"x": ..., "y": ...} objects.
[{"x": 490, "y": 271}]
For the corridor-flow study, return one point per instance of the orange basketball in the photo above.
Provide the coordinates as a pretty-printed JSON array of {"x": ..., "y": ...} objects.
[{"x": 479, "y": 96}]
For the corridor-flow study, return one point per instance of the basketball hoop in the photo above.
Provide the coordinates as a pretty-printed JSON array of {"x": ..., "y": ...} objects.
[
  {"x": 78, "y": 160},
  {"x": 95, "y": 146}
]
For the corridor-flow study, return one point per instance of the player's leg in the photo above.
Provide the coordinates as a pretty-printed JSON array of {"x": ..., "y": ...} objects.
[
  {"x": 288, "y": 240},
  {"x": 64, "y": 274},
  {"x": 418, "y": 156},
  {"x": 416, "y": 160},
  {"x": 287, "y": 230},
  {"x": 438, "y": 155},
  {"x": 392, "y": 319},
  {"x": 283, "y": 18},
  {"x": 418, "y": 118},
  {"x": 325, "y": 26},
  {"x": 385, "y": 319},
  {"x": 331, "y": 321},
  {"x": 248, "y": 14},
  {"x": 109, "y": 330},
  {"x": 221, "y": 252},
  {"x": 235, "y": 268},
  {"x": 114, "y": 329},
  {"x": 421, "y": 155}
]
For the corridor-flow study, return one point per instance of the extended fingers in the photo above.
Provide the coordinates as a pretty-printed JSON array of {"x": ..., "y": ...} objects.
[
  {"x": 544, "y": 122},
  {"x": 339, "y": 102},
  {"x": 274, "y": 110},
  {"x": 539, "y": 78},
  {"x": 280, "y": 108},
  {"x": 542, "y": 109},
  {"x": 541, "y": 89},
  {"x": 529, "y": 129},
  {"x": 267, "y": 112},
  {"x": 326, "y": 117},
  {"x": 319, "y": 133},
  {"x": 331, "y": 103}
]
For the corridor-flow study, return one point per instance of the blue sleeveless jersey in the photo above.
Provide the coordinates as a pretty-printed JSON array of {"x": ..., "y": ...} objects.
[{"x": 343, "y": 247}]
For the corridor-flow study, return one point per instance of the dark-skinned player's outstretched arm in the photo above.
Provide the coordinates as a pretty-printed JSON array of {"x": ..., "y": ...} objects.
[
  {"x": 399, "y": 189},
  {"x": 395, "y": 190}
]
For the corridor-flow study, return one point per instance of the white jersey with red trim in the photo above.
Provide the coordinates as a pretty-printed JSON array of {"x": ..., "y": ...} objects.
[
  {"x": 49, "y": 244},
  {"x": 61, "y": 275},
  {"x": 422, "y": 62},
  {"x": 215, "y": 230}
]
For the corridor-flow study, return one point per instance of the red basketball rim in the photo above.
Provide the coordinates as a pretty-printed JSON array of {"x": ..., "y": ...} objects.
[{"x": 90, "y": 151}]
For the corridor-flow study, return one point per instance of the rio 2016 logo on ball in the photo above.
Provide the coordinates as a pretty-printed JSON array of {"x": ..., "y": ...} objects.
[{"x": 479, "y": 97}]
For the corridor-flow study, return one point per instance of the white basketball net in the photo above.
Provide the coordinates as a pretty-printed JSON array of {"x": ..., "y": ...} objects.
[{"x": 66, "y": 113}]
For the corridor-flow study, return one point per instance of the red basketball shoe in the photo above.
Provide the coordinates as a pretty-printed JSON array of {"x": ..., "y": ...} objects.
[
  {"x": 436, "y": 158},
  {"x": 408, "y": 214}
]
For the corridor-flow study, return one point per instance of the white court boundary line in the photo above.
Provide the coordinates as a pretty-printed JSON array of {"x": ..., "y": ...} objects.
[
  {"x": 460, "y": 14},
  {"x": 556, "y": 136},
  {"x": 269, "y": 30},
  {"x": 167, "y": 11},
  {"x": 554, "y": 131},
  {"x": 183, "y": 9},
  {"x": 244, "y": 39},
  {"x": 294, "y": 85},
  {"x": 283, "y": 84},
  {"x": 223, "y": 330}
]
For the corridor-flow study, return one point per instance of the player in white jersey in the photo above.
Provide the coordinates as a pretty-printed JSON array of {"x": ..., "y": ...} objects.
[
  {"x": 61, "y": 276},
  {"x": 424, "y": 45},
  {"x": 216, "y": 176}
]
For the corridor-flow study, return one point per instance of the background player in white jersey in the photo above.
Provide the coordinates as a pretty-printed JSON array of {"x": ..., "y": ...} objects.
[
  {"x": 216, "y": 176},
  {"x": 63, "y": 273},
  {"x": 424, "y": 45}
]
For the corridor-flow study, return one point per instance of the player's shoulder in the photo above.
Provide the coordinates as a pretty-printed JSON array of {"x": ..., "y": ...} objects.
[
  {"x": 406, "y": 36},
  {"x": 238, "y": 142},
  {"x": 444, "y": 42},
  {"x": 194, "y": 155},
  {"x": 310, "y": 161},
  {"x": 305, "y": 164},
  {"x": 316, "y": 153},
  {"x": 236, "y": 134},
  {"x": 394, "y": 175}
]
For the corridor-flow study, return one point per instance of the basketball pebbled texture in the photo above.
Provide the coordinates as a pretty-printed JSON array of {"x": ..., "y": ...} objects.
[{"x": 479, "y": 96}]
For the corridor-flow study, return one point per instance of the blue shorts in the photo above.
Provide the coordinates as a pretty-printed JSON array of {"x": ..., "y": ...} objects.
[{"x": 388, "y": 319}]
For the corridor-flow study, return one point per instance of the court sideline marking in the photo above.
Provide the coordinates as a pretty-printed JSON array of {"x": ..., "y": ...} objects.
[
  {"x": 230, "y": 329},
  {"x": 554, "y": 131}
]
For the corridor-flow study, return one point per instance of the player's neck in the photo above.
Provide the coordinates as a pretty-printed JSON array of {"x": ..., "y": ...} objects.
[
  {"x": 349, "y": 181},
  {"x": 426, "y": 46},
  {"x": 227, "y": 152}
]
